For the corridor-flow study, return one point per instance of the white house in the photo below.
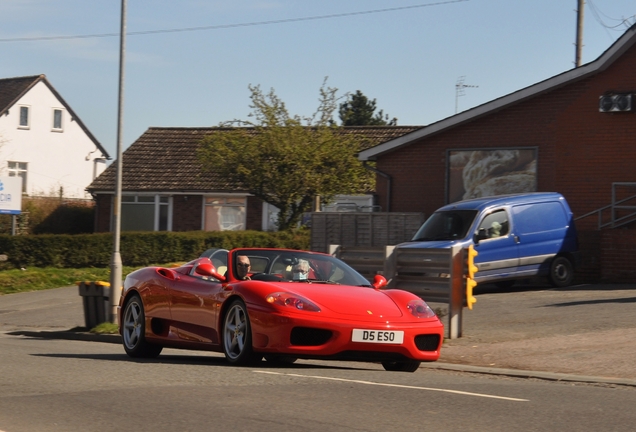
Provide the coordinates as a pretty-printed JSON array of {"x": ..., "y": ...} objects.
[{"x": 43, "y": 141}]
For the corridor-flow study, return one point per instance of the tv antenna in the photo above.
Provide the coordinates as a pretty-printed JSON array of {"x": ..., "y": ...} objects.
[{"x": 459, "y": 90}]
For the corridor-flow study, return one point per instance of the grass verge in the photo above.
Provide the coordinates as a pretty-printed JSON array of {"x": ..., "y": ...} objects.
[{"x": 36, "y": 279}]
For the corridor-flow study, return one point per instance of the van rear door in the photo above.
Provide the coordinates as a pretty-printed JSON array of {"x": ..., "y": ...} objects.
[{"x": 540, "y": 230}]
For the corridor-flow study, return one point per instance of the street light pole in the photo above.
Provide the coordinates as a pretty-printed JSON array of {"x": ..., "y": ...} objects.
[{"x": 116, "y": 264}]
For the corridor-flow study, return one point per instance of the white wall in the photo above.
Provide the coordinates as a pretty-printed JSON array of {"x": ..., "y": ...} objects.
[
  {"x": 346, "y": 202},
  {"x": 55, "y": 159}
]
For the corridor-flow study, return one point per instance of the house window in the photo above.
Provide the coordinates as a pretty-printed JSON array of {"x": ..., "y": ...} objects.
[
  {"x": 19, "y": 169},
  {"x": 24, "y": 117},
  {"x": 224, "y": 214},
  {"x": 145, "y": 213},
  {"x": 57, "y": 120}
]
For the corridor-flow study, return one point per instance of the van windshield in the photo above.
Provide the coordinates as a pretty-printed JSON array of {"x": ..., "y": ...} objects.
[{"x": 446, "y": 225}]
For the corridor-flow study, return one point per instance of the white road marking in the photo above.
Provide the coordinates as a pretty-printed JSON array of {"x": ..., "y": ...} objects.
[{"x": 396, "y": 385}]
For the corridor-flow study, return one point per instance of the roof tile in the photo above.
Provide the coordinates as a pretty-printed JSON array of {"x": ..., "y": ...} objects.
[{"x": 165, "y": 159}]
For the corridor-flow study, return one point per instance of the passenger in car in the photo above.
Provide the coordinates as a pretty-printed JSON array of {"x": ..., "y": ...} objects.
[{"x": 302, "y": 271}]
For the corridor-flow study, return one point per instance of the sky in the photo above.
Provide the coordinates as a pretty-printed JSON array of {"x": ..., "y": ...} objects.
[{"x": 189, "y": 63}]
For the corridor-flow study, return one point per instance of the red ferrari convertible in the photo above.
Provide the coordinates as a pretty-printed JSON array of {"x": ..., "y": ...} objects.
[{"x": 278, "y": 304}]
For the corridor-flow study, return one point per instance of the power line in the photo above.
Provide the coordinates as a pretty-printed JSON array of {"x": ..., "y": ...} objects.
[
  {"x": 597, "y": 15},
  {"x": 226, "y": 26}
]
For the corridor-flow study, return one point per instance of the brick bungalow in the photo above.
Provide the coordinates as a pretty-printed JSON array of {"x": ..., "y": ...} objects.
[
  {"x": 574, "y": 133},
  {"x": 164, "y": 189}
]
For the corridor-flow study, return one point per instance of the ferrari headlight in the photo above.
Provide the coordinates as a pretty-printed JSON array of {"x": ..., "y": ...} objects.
[
  {"x": 420, "y": 309},
  {"x": 292, "y": 300}
]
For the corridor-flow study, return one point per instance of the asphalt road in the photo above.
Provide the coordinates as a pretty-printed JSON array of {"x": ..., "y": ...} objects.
[
  {"x": 583, "y": 333},
  {"x": 52, "y": 379},
  {"x": 65, "y": 385}
]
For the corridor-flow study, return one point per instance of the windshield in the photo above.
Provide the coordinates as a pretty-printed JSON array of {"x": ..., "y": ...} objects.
[
  {"x": 446, "y": 225},
  {"x": 298, "y": 266}
]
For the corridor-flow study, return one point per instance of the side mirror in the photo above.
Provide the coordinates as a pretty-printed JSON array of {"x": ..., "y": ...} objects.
[
  {"x": 379, "y": 281},
  {"x": 206, "y": 269}
]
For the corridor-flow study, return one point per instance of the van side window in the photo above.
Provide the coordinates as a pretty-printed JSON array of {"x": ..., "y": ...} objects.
[{"x": 494, "y": 225}]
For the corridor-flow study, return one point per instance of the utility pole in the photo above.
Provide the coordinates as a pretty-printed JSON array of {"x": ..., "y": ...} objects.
[
  {"x": 116, "y": 263},
  {"x": 459, "y": 90},
  {"x": 579, "y": 32}
]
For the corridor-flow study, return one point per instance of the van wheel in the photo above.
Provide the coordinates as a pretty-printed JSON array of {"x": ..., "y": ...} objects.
[{"x": 561, "y": 272}]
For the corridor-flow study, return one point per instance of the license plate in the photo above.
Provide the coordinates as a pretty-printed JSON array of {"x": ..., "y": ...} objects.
[{"x": 377, "y": 336}]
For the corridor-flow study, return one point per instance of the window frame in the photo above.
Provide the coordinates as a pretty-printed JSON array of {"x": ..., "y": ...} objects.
[
  {"x": 22, "y": 108},
  {"x": 61, "y": 126},
  {"x": 18, "y": 171},
  {"x": 229, "y": 201},
  {"x": 162, "y": 209}
]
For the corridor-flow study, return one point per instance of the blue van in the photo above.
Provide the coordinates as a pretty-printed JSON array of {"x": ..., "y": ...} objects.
[{"x": 517, "y": 236}]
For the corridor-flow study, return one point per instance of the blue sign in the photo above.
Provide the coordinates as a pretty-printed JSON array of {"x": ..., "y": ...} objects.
[{"x": 10, "y": 195}]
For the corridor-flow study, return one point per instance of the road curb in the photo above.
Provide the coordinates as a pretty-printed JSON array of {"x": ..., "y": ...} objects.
[{"x": 69, "y": 335}]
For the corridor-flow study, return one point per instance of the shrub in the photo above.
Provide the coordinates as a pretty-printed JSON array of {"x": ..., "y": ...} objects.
[
  {"x": 50, "y": 215},
  {"x": 136, "y": 248}
]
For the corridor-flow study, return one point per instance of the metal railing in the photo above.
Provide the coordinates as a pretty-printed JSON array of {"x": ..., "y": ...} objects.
[{"x": 620, "y": 213}]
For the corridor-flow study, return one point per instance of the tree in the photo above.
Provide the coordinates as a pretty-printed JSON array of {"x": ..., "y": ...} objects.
[
  {"x": 358, "y": 110},
  {"x": 287, "y": 160}
]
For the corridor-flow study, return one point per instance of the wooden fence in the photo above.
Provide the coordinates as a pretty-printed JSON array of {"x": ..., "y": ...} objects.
[{"x": 373, "y": 229}]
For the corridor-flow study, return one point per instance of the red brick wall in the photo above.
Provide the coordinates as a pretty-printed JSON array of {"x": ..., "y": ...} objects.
[
  {"x": 187, "y": 211},
  {"x": 580, "y": 150},
  {"x": 102, "y": 212},
  {"x": 590, "y": 248},
  {"x": 254, "y": 214},
  {"x": 617, "y": 255}
]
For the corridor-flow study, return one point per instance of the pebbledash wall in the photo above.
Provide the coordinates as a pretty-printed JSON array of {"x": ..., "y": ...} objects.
[{"x": 581, "y": 152}]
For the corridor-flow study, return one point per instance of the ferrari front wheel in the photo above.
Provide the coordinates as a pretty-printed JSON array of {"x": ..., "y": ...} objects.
[
  {"x": 134, "y": 331},
  {"x": 237, "y": 335},
  {"x": 401, "y": 366}
]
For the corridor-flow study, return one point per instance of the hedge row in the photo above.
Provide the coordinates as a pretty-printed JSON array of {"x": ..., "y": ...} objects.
[{"x": 136, "y": 249}]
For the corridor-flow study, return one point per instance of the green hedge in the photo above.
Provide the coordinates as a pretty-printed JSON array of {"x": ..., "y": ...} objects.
[{"x": 136, "y": 249}]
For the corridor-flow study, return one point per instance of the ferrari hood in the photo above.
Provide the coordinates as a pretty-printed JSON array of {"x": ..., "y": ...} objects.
[{"x": 348, "y": 300}]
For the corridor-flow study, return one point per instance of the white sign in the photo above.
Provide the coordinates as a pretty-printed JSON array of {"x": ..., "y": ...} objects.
[{"x": 10, "y": 195}]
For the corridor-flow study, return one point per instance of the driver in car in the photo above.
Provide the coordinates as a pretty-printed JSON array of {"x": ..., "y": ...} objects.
[{"x": 243, "y": 267}]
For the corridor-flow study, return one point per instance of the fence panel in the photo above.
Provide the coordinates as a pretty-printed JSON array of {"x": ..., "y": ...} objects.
[{"x": 370, "y": 229}]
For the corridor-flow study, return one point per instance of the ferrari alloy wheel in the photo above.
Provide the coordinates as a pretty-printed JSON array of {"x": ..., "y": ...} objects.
[
  {"x": 561, "y": 272},
  {"x": 237, "y": 335},
  {"x": 401, "y": 366},
  {"x": 134, "y": 331}
]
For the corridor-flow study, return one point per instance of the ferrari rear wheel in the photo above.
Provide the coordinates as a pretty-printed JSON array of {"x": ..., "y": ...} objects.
[
  {"x": 401, "y": 366},
  {"x": 134, "y": 331},
  {"x": 237, "y": 335}
]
